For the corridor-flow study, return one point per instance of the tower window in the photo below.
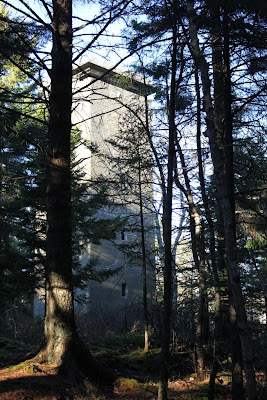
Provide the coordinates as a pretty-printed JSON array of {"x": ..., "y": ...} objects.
[
  {"x": 124, "y": 290},
  {"x": 123, "y": 235}
]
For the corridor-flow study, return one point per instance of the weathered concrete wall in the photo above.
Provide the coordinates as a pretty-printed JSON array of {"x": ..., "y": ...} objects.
[{"x": 98, "y": 111}]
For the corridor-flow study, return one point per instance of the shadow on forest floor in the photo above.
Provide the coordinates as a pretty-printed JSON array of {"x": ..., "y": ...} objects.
[
  {"x": 137, "y": 380},
  {"x": 29, "y": 381}
]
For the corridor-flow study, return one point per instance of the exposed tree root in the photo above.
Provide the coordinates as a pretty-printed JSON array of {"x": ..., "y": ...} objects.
[{"x": 79, "y": 365}]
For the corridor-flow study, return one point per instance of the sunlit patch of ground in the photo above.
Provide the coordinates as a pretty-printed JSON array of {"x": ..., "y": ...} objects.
[
  {"x": 33, "y": 381},
  {"x": 137, "y": 370}
]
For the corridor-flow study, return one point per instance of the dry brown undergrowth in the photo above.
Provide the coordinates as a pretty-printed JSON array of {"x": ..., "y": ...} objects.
[{"x": 33, "y": 381}]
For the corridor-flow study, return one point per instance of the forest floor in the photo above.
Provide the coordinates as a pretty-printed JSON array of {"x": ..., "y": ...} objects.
[
  {"x": 42, "y": 382},
  {"x": 137, "y": 371}
]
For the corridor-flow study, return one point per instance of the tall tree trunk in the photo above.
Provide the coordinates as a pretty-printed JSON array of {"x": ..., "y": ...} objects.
[
  {"x": 223, "y": 167},
  {"x": 63, "y": 345},
  {"x": 236, "y": 355},
  {"x": 218, "y": 334},
  {"x": 144, "y": 268},
  {"x": 218, "y": 117},
  {"x": 198, "y": 250},
  {"x": 167, "y": 231},
  {"x": 59, "y": 319},
  {"x": 3, "y": 238},
  {"x": 235, "y": 292}
]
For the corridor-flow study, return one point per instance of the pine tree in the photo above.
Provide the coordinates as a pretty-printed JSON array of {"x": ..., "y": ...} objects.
[
  {"x": 19, "y": 239},
  {"x": 63, "y": 346}
]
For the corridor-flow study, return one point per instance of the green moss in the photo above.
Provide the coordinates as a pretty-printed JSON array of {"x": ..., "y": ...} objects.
[
  {"x": 19, "y": 366},
  {"x": 127, "y": 382}
]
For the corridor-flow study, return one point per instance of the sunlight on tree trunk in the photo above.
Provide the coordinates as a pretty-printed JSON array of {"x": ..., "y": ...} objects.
[
  {"x": 59, "y": 319},
  {"x": 63, "y": 345}
]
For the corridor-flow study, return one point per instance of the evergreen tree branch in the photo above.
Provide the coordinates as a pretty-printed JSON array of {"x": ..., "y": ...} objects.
[{"x": 25, "y": 139}]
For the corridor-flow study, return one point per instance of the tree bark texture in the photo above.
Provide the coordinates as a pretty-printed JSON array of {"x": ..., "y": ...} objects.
[
  {"x": 63, "y": 345},
  {"x": 59, "y": 319}
]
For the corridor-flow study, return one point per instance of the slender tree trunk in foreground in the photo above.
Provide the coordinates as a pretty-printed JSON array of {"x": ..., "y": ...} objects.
[
  {"x": 3, "y": 237},
  {"x": 144, "y": 269},
  {"x": 218, "y": 317},
  {"x": 236, "y": 301},
  {"x": 198, "y": 250},
  {"x": 167, "y": 234}
]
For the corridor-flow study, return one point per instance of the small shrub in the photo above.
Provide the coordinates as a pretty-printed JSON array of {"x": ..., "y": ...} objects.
[{"x": 126, "y": 383}]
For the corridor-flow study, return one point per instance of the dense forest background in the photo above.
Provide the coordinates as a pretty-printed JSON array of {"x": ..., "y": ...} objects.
[{"x": 205, "y": 128}]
